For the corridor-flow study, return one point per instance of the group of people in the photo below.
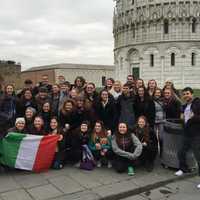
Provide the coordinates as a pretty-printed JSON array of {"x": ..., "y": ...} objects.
[{"x": 121, "y": 125}]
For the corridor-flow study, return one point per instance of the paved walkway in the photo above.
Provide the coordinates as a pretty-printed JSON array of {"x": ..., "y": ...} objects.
[
  {"x": 181, "y": 190},
  {"x": 72, "y": 183}
]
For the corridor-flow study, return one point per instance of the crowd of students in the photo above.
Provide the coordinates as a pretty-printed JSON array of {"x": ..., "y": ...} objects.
[{"x": 121, "y": 125}]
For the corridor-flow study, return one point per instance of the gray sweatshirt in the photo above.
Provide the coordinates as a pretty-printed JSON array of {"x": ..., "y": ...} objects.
[{"x": 130, "y": 156}]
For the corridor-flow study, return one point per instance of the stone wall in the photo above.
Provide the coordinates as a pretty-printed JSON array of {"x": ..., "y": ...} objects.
[{"x": 10, "y": 73}]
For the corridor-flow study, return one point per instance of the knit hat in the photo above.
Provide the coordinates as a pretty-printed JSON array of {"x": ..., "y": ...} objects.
[
  {"x": 32, "y": 109},
  {"x": 20, "y": 120}
]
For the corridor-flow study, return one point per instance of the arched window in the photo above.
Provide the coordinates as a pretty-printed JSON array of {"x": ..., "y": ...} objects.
[
  {"x": 173, "y": 59},
  {"x": 193, "y": 59},
  {"x": 132, "y": 1},
  {"x": 151, "y": 60},
  {"x": 166, "y": 26},
  {"x": 194, "y": 25}
]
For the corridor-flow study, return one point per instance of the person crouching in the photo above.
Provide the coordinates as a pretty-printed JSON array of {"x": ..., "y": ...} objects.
[
  {"x": 127, "y": 149},
  {"x": 100, "y": 145},
  {"x": 149, "y": 142}
]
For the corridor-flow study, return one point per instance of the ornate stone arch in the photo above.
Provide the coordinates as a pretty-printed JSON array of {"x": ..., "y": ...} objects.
[
  {"x": 173, "y": 49},
  {"x": 133, "y": 55}
]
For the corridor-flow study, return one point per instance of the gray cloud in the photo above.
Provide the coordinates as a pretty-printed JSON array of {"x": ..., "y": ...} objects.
[{"x": 43, "y": 32}]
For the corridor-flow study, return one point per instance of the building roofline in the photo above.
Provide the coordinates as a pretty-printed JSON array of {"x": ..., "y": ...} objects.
[{"x": 70, "y": 66}]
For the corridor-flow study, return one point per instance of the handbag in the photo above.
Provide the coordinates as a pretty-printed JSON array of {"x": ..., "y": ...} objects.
[{"x": 87, "y": 162}]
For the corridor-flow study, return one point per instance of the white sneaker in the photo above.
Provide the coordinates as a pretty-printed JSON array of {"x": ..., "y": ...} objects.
[
  {"x": 179, "y": 173},
  {"x": 109, "y": 165},
  {"x": 198, "y": 186},
  {"x": 98, "y": 164}
]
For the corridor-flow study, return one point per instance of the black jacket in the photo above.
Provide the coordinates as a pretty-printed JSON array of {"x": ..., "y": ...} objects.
[
  {"x": 46, "y": 116},
  {"x": 126, "y": 110},
  {"x": 192, "y": 127},
  {"x": 7, "y": 113},
  {"x": 172, "y": 109},
  {"x": 69, "y": 118},
  {"x": 145, "y": 108},
  {"x": 107, "y": 114},
  {"x": 23, "y": 105}
]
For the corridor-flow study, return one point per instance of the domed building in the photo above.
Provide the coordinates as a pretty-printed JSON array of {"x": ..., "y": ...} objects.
[{"x": 158, "y": 39}]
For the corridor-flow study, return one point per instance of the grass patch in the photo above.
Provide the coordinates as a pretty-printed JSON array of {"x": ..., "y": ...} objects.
[{"x": 197, "y": 93}]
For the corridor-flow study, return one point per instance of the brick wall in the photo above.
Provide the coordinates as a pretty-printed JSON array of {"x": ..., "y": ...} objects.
[{"x": 36, "y": 76}]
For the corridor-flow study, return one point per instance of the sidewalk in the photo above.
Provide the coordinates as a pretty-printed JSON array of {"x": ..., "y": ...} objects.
[{"x": 75, "y": 184}]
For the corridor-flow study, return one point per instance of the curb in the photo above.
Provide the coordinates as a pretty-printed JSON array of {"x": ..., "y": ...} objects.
[{"x": 140, "y": 190}]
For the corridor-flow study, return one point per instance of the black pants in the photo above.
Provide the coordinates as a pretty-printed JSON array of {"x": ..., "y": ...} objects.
[
  {"x": 108, "y": 155},
  {"x": 194, "y": 145},
  {"x": 121, "y": 164},
  {"x": 148, "y": 154},
  {"x": 73, "y": 156}
]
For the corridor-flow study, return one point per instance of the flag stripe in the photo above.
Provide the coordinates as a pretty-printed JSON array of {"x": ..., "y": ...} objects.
[
  {"x": 27, "y": 152},
  {"x": 11, "y": 147},
  {"x": 45, "y": 153}
]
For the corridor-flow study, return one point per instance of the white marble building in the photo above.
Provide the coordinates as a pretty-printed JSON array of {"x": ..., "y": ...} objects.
[{"x": 158, "y": 39}]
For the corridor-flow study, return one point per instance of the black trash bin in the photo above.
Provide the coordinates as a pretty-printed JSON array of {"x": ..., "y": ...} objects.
[{"x": 172, "y": 141}]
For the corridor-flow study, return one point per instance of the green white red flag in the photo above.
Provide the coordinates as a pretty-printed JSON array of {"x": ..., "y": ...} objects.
[{"x": 28, "y": 152}]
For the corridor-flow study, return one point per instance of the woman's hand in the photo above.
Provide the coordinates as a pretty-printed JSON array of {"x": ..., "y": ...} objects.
[
  {"x": 109, "y": 132},
  {"x": 144, "y": 144},
  {"x": 60, "y": 138},
  {"x": 98, "y": 146}
]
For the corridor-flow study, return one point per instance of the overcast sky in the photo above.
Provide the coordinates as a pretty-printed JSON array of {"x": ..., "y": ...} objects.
[{"x": 40, "y": 32}]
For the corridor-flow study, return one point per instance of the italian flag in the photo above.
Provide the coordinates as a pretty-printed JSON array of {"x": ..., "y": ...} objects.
[{"x": 28, "y": 152}]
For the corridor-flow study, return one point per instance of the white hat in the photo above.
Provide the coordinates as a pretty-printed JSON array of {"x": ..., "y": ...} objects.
[{"x": 20, "y": 120}]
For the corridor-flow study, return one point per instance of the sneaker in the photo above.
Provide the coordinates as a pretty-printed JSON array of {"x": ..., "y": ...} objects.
[
  {"x": 60, "y": 166},
  {"x": 98, "y": 164},
  {"x": 57, "y": 165},
  {"x": 130, "y": 171},
  {"x": 198, "y": 186},
  {"x": 109, "y": 165},
  {"x": 179, "y": 173}
]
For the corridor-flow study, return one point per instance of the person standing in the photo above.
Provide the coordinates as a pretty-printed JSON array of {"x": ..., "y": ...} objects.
[
  {"x": 106, "y": 110},
  {"x": 172, "y": 106},
  {"x": 125, "y": 107},
  {"x": 144, "y": 106},
  {"x": 8, "y": 102},
  {"x": 191, "y": 116}
]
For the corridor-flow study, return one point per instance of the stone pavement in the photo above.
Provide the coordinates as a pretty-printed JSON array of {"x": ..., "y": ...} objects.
[
  {"x": 75, "y": 184},
  {"x": 182, "y": 190}
]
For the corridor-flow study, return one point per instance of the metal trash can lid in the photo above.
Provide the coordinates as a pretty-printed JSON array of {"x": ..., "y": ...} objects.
[{"x": 173, "y": 126}]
